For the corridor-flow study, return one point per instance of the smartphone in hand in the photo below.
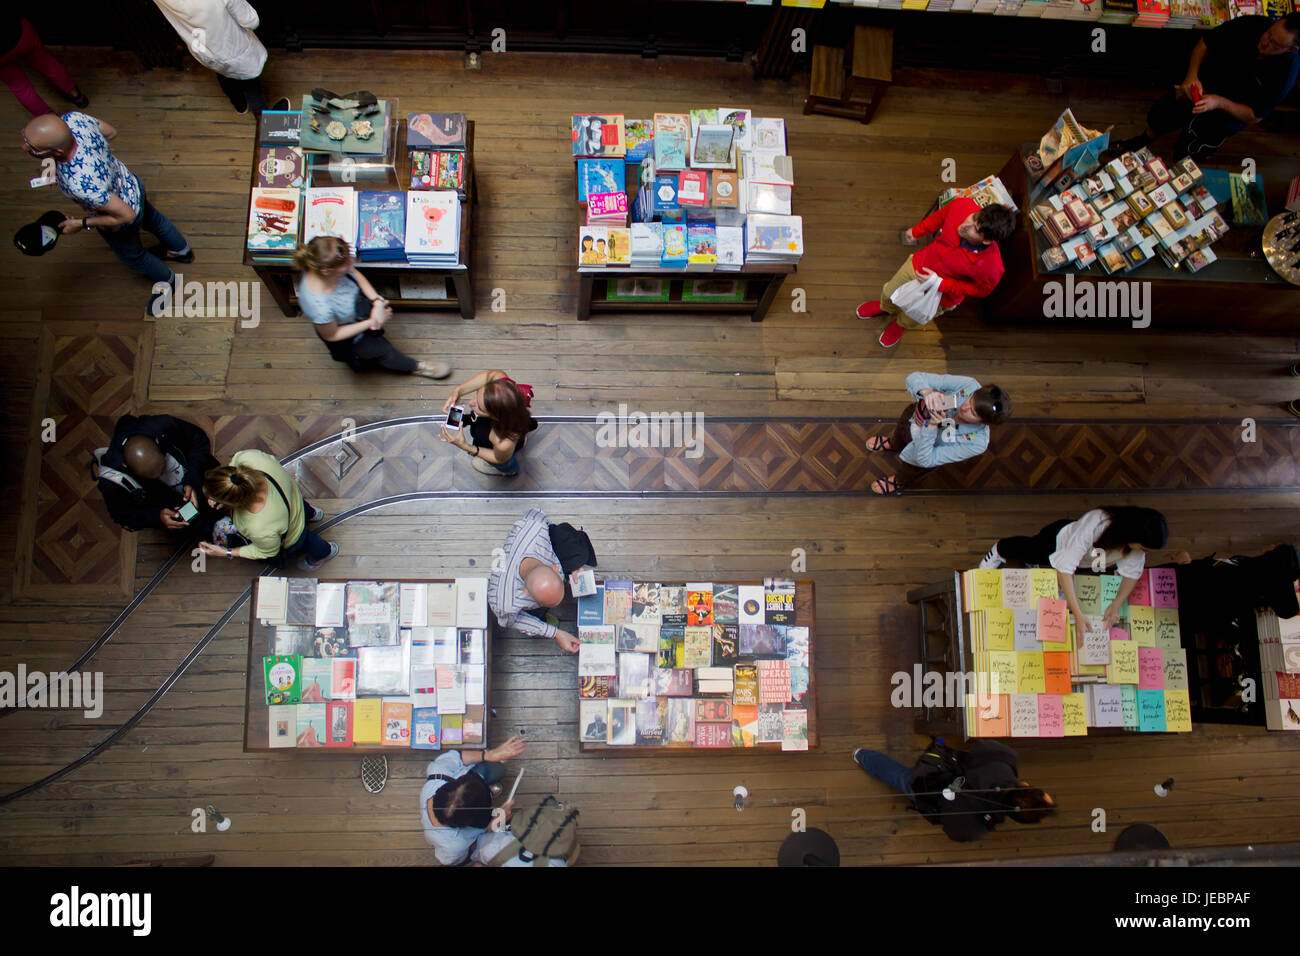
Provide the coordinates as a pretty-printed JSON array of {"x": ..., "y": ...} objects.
[
  {"x": 188, "y": 512},
  {"x": 455, "y": 417}
]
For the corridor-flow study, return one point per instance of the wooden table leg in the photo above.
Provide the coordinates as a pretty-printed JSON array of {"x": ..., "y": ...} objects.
[
  {"x": 464, "y": 293},
  {"x": 279, "y": 292},
  {"x": 765, "y": 301},
  {"x": 586, "y": 284}
]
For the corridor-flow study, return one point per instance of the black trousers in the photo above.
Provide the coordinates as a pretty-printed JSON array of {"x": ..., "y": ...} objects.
[
  {"x": 1202, "y": 133},
  {"x": 372, "y": 350},
  {"x": 1032, "y": 550},
  {"x": 244, "y": 94}
]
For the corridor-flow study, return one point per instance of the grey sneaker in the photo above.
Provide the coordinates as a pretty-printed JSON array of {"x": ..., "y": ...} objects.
[
  {"x": 305, "y": 565},
  {"x": 316, "y": 514}
]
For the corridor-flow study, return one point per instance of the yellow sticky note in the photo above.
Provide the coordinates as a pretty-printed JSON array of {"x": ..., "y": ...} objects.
[
  {"x": 366, "y": 722},
  {"x": 999, "y": 629},
  {"x": 1123, "y": 663},
  {"x": 1004, "y": 669},
  {"x": 1030, "y": 674},
  {"x": 1043, "y": 581},
  {"x": 1074, "y": 712},
  {"x": 1178, "y": 711},
  {"x": 988, "y": 588},
  {"x": 1142, "y": 625}
]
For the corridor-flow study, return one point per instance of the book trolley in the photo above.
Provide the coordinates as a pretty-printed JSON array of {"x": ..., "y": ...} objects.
[
  {"x": 397, "y": 280},
  {"x": 428, "y": 690},
  {"x": 1007, "y": 643},
  {"x": 736, "y": 675}
]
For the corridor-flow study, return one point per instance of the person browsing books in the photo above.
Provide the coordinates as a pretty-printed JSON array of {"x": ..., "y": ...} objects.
[
  {"x": 968, "y": 793},
  {"x": 964, "y": 255},
  {"x": 1236, "y": 75},
  {"x": 1120, "y": 536},
  {"x": 947, "y": 422},
  {"x": 456, "y": 799},
  {"x": 529, "y": 577},
  {"x": 496, "y": 407},
  {"x": 153, "y": 466},
  {"x": 111, "y": 196},
  {"x": 268, "y": 509},
  {"x": 349, "y": 315}
]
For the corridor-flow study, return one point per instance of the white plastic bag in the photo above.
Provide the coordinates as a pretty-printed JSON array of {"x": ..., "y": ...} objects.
[{"x": 919, "y": 298}]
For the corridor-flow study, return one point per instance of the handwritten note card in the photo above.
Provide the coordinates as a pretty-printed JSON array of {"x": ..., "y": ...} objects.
[
  {"x": 1016, "y": 590},
  {"x": 1151, "y": 668},
  {"x": 1164, "y": 587},
  {"x": 1051, "y": 619},
  {"x": 1142, "y": 625},
  {"x": 1024, "y": 715},
  {"x": 1051, "y": 721}
]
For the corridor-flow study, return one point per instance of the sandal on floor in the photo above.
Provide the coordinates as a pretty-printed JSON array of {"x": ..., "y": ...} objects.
[
  {"x": 879, "y": 443},
  {"x": 889, "y": 486}
]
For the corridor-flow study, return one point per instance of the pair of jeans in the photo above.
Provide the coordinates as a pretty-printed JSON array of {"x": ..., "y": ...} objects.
[
  {"x": 11, "y": 72},
  {"x": 311, "y": 546},
  {"x": 244, "y": 94},
  {"x": 490, "y": 771},
  {"x": 126, "y": 245},
  {"x": 1035, "y": 550},
  {"x": 905, "y": 475},
  {"x": 887, "y": 770}
]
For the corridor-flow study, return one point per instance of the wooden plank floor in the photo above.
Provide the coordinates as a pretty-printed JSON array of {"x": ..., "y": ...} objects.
[{"x": 856, "y": 187}]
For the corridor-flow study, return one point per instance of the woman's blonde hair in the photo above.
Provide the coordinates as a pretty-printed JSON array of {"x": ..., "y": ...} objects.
[
  {"x": 323, "y": 252},
  {"x": 233, "y": 485}
]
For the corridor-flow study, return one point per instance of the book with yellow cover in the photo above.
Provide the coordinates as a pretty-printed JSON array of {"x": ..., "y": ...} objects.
[
  {"x": 1142, "y": 625},
  {"x": 1043, "y": 583},
  {"x": 1074, "y": 712},
  {"x": 367, "y": 721},
  {"x": 1030, "y": 676},
  {"x": 1178, "y": 712},
  {"x": 1123, "y": 667},
  {"x": 988, "y": 589}
]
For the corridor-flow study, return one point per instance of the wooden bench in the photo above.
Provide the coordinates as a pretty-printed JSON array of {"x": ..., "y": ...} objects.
[{"x": 852, "y": 82}]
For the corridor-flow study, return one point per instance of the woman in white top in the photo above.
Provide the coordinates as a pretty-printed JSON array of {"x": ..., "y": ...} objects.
[{"x": 1120, "y": 536}]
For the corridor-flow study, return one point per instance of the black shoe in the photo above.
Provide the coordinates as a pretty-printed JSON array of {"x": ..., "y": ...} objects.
[
  {"x": 162, "y": 252},
  {"x": 281, "y": 104},
  {"x": 77, "y": 98}
]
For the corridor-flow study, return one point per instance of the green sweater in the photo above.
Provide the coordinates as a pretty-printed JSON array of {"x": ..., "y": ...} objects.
[{"x": 271, "y": 527}]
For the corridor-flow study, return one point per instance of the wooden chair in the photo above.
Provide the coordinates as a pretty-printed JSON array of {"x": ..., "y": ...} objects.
[{"x": 852, "y": 82}]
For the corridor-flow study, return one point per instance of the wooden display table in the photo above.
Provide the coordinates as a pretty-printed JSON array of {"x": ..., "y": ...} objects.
[
  {"x": 256, "y": 711},
  {"x": 384, "y": 276},
  {"x": 762, "y": 284},
  {"x": 1239, "y": 291}
]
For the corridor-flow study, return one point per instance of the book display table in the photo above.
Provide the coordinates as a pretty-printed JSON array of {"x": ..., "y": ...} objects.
[
  {"x": 999, "y": 657},
  {"x": 1238, "y": 291},
  {"x": 754, "y": 291},
  {"x": 404, "y": 284},
  {"x": 368, "y": 666},
  {"x": 697, "y": 667}
]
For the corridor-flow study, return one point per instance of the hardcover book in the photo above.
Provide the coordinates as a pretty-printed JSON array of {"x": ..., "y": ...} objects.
[
  {"x": 778, "y": 598},
  {"x": 726, "y": 644},
  {"x": 746, "y": 685},
  {"x": 672, "y": 605},
  {"x": 282, "y": 722},
  {"x": 591, "y": 608},
  {"x": 712, "y": 734},
  {"x": 283, "y": 678},
  {"x": 280, "y": 167},
  {"x": 618, "y": 601},
  {"x": 598, "y": 134},
  {"x": 338, "y": 724},
  {"x": 312, "y": 731},
  {"x": 699, "y": 605},
  {"x": 697, "y": 644},
  {"x": 436, "y": 131},
  {"x": 672, "y": 138},
  {"x": 651, "y": 720},
  {"x": 426, "y": 728}
]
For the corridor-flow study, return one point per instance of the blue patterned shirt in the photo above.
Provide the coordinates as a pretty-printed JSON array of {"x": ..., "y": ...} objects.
[{"x": 94, "y": 174}]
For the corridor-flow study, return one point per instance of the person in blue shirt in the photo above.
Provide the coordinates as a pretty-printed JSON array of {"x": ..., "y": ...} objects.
[{"x": 947, "y": 422}]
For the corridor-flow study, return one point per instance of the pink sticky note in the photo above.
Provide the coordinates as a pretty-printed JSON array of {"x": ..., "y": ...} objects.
[
  {"x": 1118, "y": 634},
  {"x": 1151, "y": 669},
  {"x": 1051, "y": 716},
  {"x": 1141, "y": 593},
  {"x": 1051, "y": 619},
  {"x": 1164, "y": 587}
]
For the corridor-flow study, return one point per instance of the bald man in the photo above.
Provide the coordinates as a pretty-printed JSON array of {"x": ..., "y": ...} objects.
[
  {"x": 530, "y": 577},
  {"x": 112, "y": 198},
  {"x": 153, "y": 466}
]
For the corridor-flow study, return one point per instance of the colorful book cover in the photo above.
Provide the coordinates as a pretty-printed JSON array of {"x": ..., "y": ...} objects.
[
  {"x": 1123, "y": 667},
  {"x": 316, "y": 680},
  {"x": 778, "y": 601},
  {"x": 1043, "y": 583},
  {"x": 453, "y": 729},
  {"x": 1052, "y": 619},
  {"x": 762, "y": 640},
  {"x": 746, "y": 691},
  {"x": 697, "y": 647},
  {"x": 741, "y": 122},
  {"x": 680, "y": 725},
  {"x": 651, "y": 720},
  {"x": 621, "y": 722},
  {"x": 604, "y": 686},
  {"x": 799, "y": 683},
  {"x": 674, "y": 254},
  {"x": 273, "y": 219},
  {"x": 1168, "y": 636},
  {"x": 330, "y": 211},
  {"x": 592, "y": 721},
  {"x": 701, "y": 244},
  {"x": 638, "y": 139},
  {"x": 1141, "y": 593},
  {"x": 794, "y": 727},
  {"x": 770, "y": 724},
  {"x": 1142, "y": 625},
  {"x": 672, "y": 646},
  {"x": 338, "y": 723},
  {"x": 797, "y": 646},
  {"x": 645, "y": 605},
  {"x": 1164, "y": 588},
  {"x": 381, "y": 223},
  {"x": 699, "y": 605},
  {"x": 432, "y": 226},
  {"x": 602, "y": 206},
  {"x": 591, "y": 608},
  {"x": 1051, "y": 718},
  {"x": 773, "y": 681},
  {"x": 1151, "y": 668},
  {"x": 1056, "y": 673},
  {"x": 726, "y": 644},
  {"x": 367, "y": 725},
  {"x": 396, "y": 720},
  {"x": 672, "y": 132},
  {"x": 601, "y": 176},
  {"x": 1030, "y": 672},
  {"x": 744, "y": 725},
  {"x": 371, "y": 611},
  {"x": 426, "y": 728},
  {"x": 311, "y": 725},
  {"x": 672, "y": 605},
  {"x": 1151, "y": 711},
  {"x": 598, "y": 134},
  {"x": 726, "y": 604},
  {"x": 618, "y": 601},
  {"x": 712, "y": 709},
  {"x": 712, "y": 735},
  {"x": 283, "y": 674},
  {"x": 1178, "y": 711},
  {"x": 693, "y": 188},
  {"x": 282, "y": 724},
  {"x": 619, "y": 250},
  {"x": 1074, "y": 715},
  {"x": 436, "y": 130},
  {"x": 472, "y": 725},
  {"x": 1087, "y": 590},
  {"x": 279, "y": 128}
]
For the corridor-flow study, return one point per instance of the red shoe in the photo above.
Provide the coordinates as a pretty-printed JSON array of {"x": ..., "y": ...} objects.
[
  {"x": 889, "y": 338},
  {"x": 869, "y": 310}
]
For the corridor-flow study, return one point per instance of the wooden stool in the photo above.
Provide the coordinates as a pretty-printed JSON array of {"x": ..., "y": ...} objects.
[{"x": 853, "y": 90}]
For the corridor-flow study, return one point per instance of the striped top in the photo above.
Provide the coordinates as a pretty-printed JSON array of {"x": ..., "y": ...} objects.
[{"x": 529, "y": 538}]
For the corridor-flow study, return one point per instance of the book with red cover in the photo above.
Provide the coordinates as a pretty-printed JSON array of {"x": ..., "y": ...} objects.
[
  {"x": 693, "y": 188},
  {"x": 338, "y": 724},
  {"x": 710, "y": 734}
]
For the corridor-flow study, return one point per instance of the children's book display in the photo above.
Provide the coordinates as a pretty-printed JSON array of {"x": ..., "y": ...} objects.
[
  {"x": 700, "y": 191},
  {"x": 289, "y": 205},
  {"x": 1037, "y": 675},
  {"x": 696, "y": 665},
  {"x": 1125, "y": 214},
  {"x": 357, "y": 664},
  {"x": 1279, "y": 659}
]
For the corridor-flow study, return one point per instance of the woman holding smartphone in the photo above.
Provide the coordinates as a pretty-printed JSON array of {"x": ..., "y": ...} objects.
[
  {"x": 947, "y": 422},
  {"x": 495, "y": 419},
  {"x": 269, "y": 510},
  {"x": 348, "y": 313}
]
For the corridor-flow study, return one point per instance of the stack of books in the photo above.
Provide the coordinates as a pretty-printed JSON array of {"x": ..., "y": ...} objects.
[
  {"x": 367, "y": 663},
  {"x": 381, "y": 226},
  {"x": 1037, "y": 675},
  {"x": 1151, "y": 13},
  {"x": 330, "y": 211},
  {"x": 1186, "y": 14},
  {"x": 694, "y": 665},
  {"x": 273, "y": 222},
  {"x": 433, "y": 228},
  {"x": 695, "y": 177},
  {"x": 773, "y": 239},
  {"x": 1117, "y": 11},
  {"x": 1279, "y": 659}
]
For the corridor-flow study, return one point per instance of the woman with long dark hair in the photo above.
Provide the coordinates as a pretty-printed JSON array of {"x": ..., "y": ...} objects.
[
  {"x": 497, "y": 418},
  {"x": 269, "y": 510},
  {"x": 1120, "y": 536}
]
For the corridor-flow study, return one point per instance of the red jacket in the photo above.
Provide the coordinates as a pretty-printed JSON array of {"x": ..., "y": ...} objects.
[{"x": 964, "y": 273}]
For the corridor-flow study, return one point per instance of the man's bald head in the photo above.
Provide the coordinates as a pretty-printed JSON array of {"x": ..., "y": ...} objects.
[
  {"x": 546, "y": 587},
  {"x": 143, "y": 457},
  {"x": 47, "y": 134}
]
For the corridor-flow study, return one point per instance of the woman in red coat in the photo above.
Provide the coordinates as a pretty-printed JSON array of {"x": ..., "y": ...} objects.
[{"x": 964, "y": 255}]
